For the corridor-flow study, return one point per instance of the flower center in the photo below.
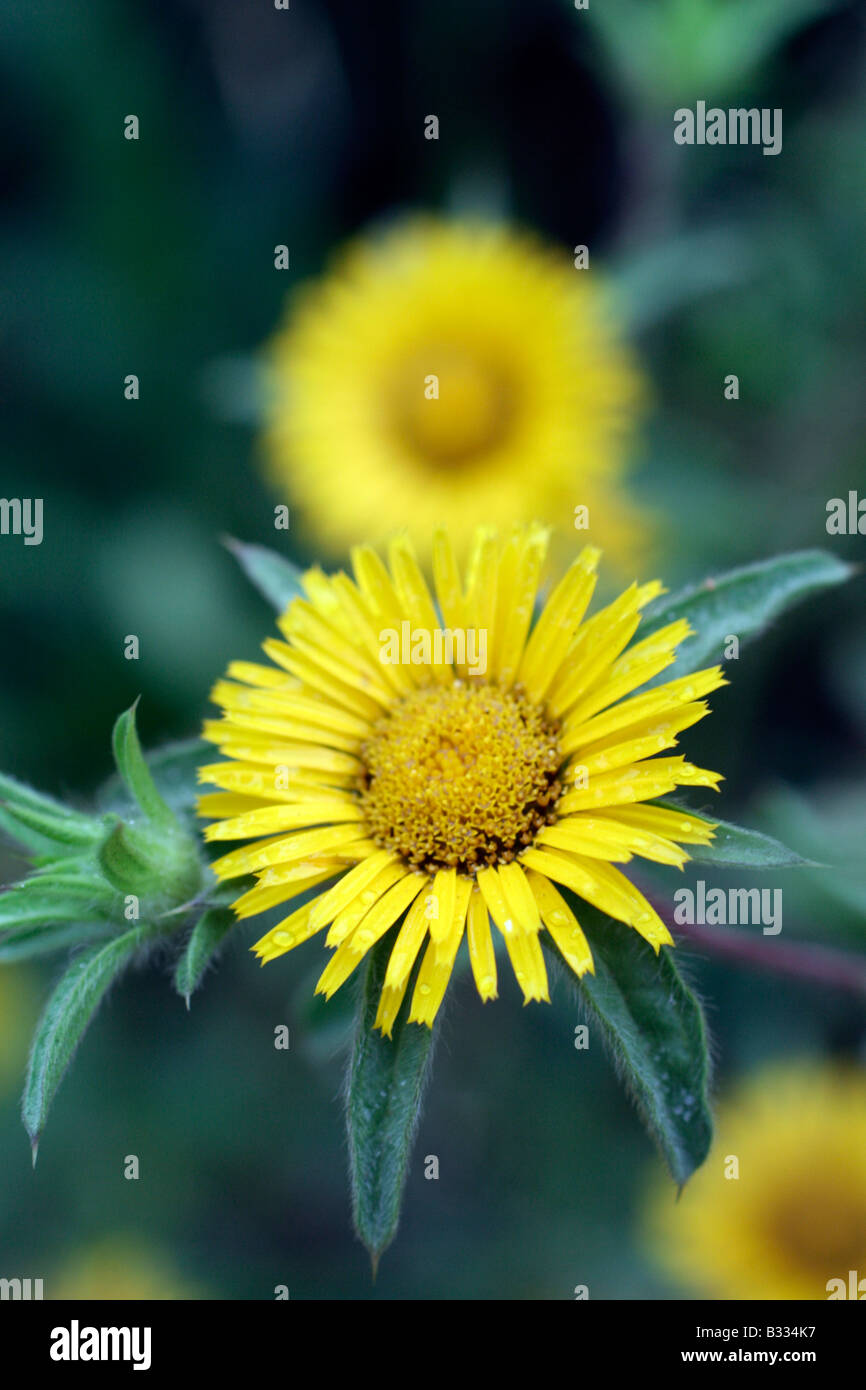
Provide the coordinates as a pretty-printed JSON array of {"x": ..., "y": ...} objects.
[
  {"x": 460, "y": 776},
  {"x": 450, "y": 404},
  {"x": 821, "y": 1230}
]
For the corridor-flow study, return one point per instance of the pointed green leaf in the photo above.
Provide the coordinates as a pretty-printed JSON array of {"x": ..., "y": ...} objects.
[
  {"x": 41, "y": 941},
  {"x": 205, "y": 940},
  {"x": 22, "y": 906},
  {"x": 739, "y": 846},
  {"x": 16, "y": 793},
  {"x": 67, "y": 1014},
  {"x": 70, "y": 876},
  {"x": 174, "y": 768},
  {"x": 273, "y": 575},
  {"x": 740, "y": 603},
  {"x": 70, "y": 829},
  {"x": 134, "y": 770},
  {"x": 654, "y": 1028},
  {"x": 383, "y": 1103},
  {"x": 33, "y": 841}
]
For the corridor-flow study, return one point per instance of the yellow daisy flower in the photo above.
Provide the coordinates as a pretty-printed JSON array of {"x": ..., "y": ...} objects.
[
  {"x": 120, "y": 1267},
  {"x": 779, "y": 1208},
  {"x": 469, "y": 372},
  {"x": 429, "y": 791}
]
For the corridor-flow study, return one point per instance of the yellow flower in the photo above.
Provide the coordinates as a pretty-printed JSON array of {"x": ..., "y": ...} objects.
[
  {"x": 120, "y": 1267},
  {"x": 794, "y": 1217},
  {"x": 469, "y": 373},
  {"x": 449, "y": 794}
]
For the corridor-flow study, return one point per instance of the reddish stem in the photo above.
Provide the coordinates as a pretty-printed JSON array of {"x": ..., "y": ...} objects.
[{"x": 814, "y": 964}]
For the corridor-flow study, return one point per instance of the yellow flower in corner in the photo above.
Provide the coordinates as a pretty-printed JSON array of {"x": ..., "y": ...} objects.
[
  {"x": 444, "y": 777},
  {"x": 779, "y": 1208},
  {"x": 470, "y": 372}
]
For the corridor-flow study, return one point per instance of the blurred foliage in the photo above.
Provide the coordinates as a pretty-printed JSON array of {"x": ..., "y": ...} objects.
[{"x": 261, "y": 127}]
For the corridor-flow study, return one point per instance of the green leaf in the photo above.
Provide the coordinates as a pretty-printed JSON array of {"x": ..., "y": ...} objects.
[
  {"x": 42, "y": 940},
  {"x": 736, "y": 845},
  {"x": 383, "y": 1103},
  {"x": 653, "y": 282},
  {"x": 654, "y": 1028},
  {"x": 67, "y": 1014},
  {"x": 124, "y": 863},
  {"x": 23, "y": 906},
  {"x": 205, "y": 940},
  {"x": 70, "y": 829},
  {"x": 16, "y": 793},
  {"x": 273, "y": 575},
  {"x": 174, "y": 768},
  {"x": 740, "y": 603},
  {"x": 134, "y": 770},
  {"x": 38, "y": 821},
  {"x": 26, "y": 837},
  {"x": 68, "y": 876}
]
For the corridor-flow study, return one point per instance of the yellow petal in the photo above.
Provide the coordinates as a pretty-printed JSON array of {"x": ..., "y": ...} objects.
[
  {"x": 521, "y": 941},
  {"x": 438, "y": 963},
  {"x": 407, "y": 945},
  {"x": 348, "y": 917},
  {"x": 588, "y": 668},
  {"x": 389, "y": 1007},
  {"x": 481, "y": 954},
  {"x": 514, "y": 612},
  {"x": 283, "y": 849},
  {"x": 562, "y": 924},
  {"x": 660, "y": 700},
  {"x": 285, "y": 935},
  {"x": 270, "y": 820},
  {"x": 443, "y": 899},
  {"x": 350, "y": 885},
  {"x": 384, "y": 913},
  {"x": 446, "y": 577},
  {"x": 263, "y": 897},
  {"x": 559, "y": 620},
  {"x": 415, "y": 597},
  {"x": 668, "y": 822},
  {"x": 523, "y": 908},
  {"x": 214, "y": 805}
]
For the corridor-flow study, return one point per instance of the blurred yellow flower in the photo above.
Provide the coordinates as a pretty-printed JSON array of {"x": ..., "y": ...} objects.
[
  {"x": 120, "y": 1267},
  {"x": 451, "y": 790},
  {"x": 779, "y": 1208},
  {"x": 452, "y": 372}
]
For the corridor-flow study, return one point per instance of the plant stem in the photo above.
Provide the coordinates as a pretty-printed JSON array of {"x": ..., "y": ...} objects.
[{"x": 813, "y": 964}]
